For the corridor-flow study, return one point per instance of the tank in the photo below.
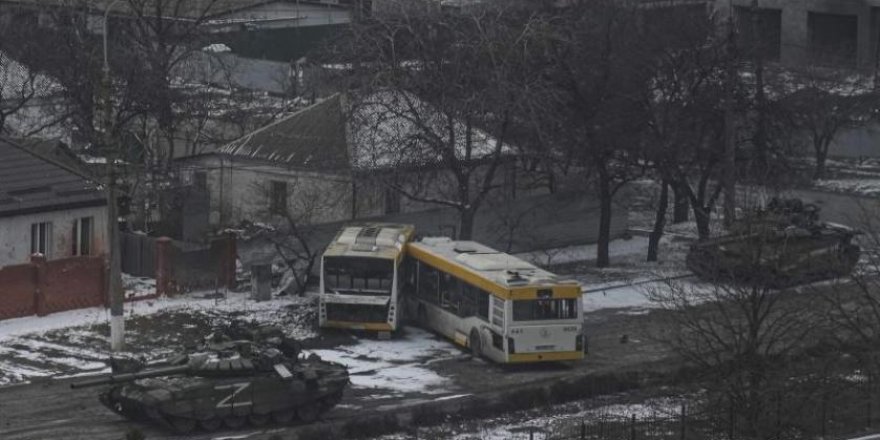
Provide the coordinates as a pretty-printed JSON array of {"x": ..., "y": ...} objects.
[
  {"x": 780, "y": 246},
  {"x": 224, "y": 388}
]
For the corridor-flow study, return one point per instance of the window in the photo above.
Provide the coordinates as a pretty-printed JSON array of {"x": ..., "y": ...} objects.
[
  {"x": 278, "y": 197},
  {"x": 354, "y": 275},
  {"x": 544, "y": 309},
  {"x": 428, "y": 283},
  {"x": 41, "y": 238},
  {"x": 833, "y": 38},
  {"x": 83, "y": 231}
]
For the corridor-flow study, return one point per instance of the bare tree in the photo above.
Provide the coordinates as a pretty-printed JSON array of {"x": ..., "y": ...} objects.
[
  {"x": 439, "y": 91},
  {"x": 741, "y": 338},
  {"x": 597, "y": 70},
  {"x": 823, "y": 103},
  {"x": 306, "y": 201}
]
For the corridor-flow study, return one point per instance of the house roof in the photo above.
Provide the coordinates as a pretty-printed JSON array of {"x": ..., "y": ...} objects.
[
  {"x": 30, "y": 183},
  {"x": 312, "y": 138}
]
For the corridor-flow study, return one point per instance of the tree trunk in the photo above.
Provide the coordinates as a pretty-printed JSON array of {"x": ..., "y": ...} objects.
[
  {"x": 659, "y": 222},
  {"x": 702, "y": 217},
  {"x": 680, "y": 212},
  {"x": 466, "y": 223},
  {"x": 821, "y": 158},
  {"x": 605, "y": 198}
]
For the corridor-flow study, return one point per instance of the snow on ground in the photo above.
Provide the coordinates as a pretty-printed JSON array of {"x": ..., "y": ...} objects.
[
  {"x": 545, "y": 423},
  {"x": 398, "y": 365},
  {"x": 75, "y": 342},
  {"x": 865, "y": 187}
]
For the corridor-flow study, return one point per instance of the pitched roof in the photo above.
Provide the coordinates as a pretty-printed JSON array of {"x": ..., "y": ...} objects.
[
  {"x": 30, "y": 183},
  {"x": 312, "y": 138}
]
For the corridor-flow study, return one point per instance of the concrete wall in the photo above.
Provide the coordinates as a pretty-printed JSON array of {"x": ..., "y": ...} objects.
[
  {"x": 795, "y": 39},
  {"x": 239, "y": 190},
  {"x": 15, "y": 233}
]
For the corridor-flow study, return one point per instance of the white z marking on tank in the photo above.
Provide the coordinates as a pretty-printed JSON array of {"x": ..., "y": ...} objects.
[{"x": 227, "y": 401}]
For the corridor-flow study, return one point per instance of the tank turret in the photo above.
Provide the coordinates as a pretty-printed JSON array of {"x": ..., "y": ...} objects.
[
  {"x": 780, "y": 246},
  {"x": 213, "y": 389}
]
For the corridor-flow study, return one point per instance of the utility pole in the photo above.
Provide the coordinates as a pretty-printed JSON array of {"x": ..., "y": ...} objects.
[
  {"x": 729, "y": 158},
  {"x": 114, "y": 278}
]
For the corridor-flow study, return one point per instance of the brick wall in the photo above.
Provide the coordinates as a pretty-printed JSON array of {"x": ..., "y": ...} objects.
[{"x": 42, "y": 287}]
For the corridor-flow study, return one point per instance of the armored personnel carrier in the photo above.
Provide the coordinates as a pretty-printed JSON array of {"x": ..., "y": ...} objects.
[
  {"x": 225, "y": 387},
  {"x": 780, "y": 246}
]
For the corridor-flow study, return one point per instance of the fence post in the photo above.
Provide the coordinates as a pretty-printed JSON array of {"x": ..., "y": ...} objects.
[
  {"x": 39, "y": 263},
  {"x": 531, "y": 433},
  {"x": 683, "y": 420},
  {"x": 824, "y": 412},
  {"x": 163, "y": 266},
  {"x": 632, "y": 432},
  {"x": 583, "y": 430}
]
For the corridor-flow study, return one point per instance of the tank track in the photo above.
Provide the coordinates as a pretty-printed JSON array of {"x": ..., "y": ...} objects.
[{"x": 303, "y": 414}]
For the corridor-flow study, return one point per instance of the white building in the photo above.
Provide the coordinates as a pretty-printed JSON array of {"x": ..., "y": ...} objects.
[{"x": 47, "y": 208}]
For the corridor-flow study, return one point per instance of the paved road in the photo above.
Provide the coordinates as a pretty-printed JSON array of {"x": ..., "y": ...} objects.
[{"x": 52, "y": 410}]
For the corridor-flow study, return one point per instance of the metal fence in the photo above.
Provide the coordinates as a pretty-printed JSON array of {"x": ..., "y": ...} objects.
[{"x": 138, "y": 254}]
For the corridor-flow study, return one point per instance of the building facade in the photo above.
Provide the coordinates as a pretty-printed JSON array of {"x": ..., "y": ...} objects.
[
  {"x": 47, "y": 208},
  {"x": 836, "y": 33}
]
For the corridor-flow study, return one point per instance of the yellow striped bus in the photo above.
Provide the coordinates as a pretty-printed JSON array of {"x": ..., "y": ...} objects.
[
  {"x": 498, "y": 306},
  {"x": 359, "y": 286}
]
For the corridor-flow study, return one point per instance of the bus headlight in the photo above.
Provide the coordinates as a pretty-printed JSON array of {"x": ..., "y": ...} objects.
[{"x": 511, "y": 348}]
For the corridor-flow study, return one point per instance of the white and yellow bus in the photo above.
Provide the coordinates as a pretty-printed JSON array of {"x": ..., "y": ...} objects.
[
  {"x": 497, "y": 305},
  {"x": 359, "y": 278}
]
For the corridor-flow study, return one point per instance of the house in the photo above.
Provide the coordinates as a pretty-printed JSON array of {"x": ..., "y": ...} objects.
[
  {"x": 328, "y": 164},
  {"x": 47, "y": 207},
  {"x": 314, "y": 160},
  {"x": 838, "y": 33}
]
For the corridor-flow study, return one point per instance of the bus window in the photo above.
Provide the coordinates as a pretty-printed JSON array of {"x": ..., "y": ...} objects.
[
  {"x": 450, "y": 297},
  {"x": 544, "y": 309},
  {"x": 482, "y": 299},
  {"x": 428, "y": 283},
  {"x": 497, "y": 311},
  {"x": 351, "y": 275}
]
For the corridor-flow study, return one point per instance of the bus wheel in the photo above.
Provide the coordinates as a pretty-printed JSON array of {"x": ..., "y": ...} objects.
[{"x": 476, "y": 344}]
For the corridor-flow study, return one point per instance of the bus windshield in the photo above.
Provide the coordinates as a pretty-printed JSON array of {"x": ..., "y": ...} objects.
[
  {"x": 544, "y": 309},
  {"x": 358, "y": 275}
]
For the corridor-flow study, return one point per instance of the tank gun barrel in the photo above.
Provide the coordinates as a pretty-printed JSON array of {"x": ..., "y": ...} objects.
[{"x": 128, "y": 377}]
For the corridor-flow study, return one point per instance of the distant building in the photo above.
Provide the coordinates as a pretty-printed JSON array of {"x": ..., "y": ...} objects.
[
  {"x": 284, "y": 165},
  {"x": 47, "y": 207},
  {"x": 842, "y": 33}
]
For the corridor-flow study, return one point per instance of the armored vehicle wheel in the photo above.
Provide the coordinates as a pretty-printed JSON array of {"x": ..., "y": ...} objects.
[
  {"x": 234, "y": 422},
  {"x": 259, "y": 420},
  {"x": 182, "y": 425},
  {"x": 282, "y": 417},
  {"x": 308, "y": 413},
  {"x": 211, "y": 424},
  {"x": 476, "y": 344}
]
